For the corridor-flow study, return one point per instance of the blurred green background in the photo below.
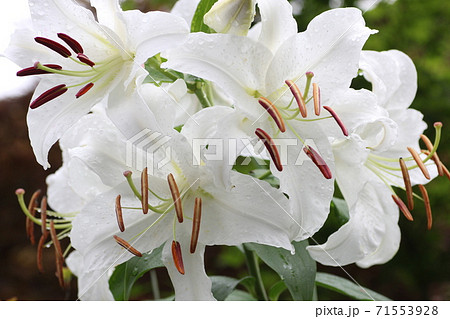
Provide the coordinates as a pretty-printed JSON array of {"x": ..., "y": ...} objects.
[{"x": 419, "y": 271}]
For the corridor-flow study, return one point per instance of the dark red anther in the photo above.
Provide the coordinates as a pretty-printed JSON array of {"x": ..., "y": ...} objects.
[
  {"x": 35, "y": 71},
  {"x": 84, "y": 90},
  {"x": 271, "y": 147},
  {"x": 48, "y": 95},
  {"x": 83, "y": 58},
  {"x": 318, "y": 160},
  {"x": 71, "y": 42},
  {"x": 53, "y": 45},
  {"x": 177, "y": 257}
]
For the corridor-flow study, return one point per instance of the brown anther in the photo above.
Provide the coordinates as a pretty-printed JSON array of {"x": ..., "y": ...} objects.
[
  {"x": 446, "y": 172},
  {"x": 298, "y": 97},
  {"x": 127, "y": 246},
  {"x": 55, "y": 239},
  {"x": 53, "y": 45},
  {"x": 271, "y": 148},
  {"x": 316, "y": 98},
  {"x": 176, "y": 197},
  {"x": 83, "y": 58},
  {"x": 32, "y": 209},
  {"x": 318, "y": 160},
  {"x": 426, "y": 201},
  {"x": 273, "y": 112},
  {"x": 84, "y": 90},
  {"x": 49, "y": 95},
  {"x": 119, "y": 214},
  {"x": 58, "y": 254},
  {"x": 402, "y": 207},
  {"x": 35, "y": 71},
  {"x": 419, "y": 162},
  {"x": 39, "y": 251},
  {"x": 177, "y": 257},
  {"x": 435, "y": 156},
  {"x": 196, "y": 224},
  {"x": 144, "y": 190},
  {"x": 71, "y": 42},
  {"x": 407, "y": 181},
  {"x": 44, "y": 216},
  {"x": 337, "y": 119}
]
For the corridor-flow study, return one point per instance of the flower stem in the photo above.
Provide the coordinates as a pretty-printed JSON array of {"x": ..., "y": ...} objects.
[
  {"x": 155, "y": 286},
  {"x": 253, "y": 267}
]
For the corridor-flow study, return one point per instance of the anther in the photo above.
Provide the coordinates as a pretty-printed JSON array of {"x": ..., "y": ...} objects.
[
  {"x": 435, "y": 156},
  {"x": 426, "y": 201},
  {"x": 176, "y": 197},
  {"x": 119, "y": 214},
  {"x": 35, "y": 71},
  {"x": 144, "y": 190},
  {"x": 177, "y": 257},
  {"x": 318, "y": 161},
  {"x": 419, "y": 163},
  {"x": 316, "y": 97},
  {"x": 58, "y": 254},
  {"x": 53, "y": 45},
  {"x": 271, "y": 148},
  {"x": 196, "y": 224},
  {"x": 83, "y": 58},
  {"x": 71, "y": 42},
  {"x": 39, "y": 252},
  {"x": 407, "y": 181},
  {"x": 446, "y": 172},
  {"x": 84, "y": 90},
  {"x": 273, "y": 112},
  {"x": 337, "y": 119},
  {"x": 298, "y": 97},
  {"x": 402, "y": 207},
  {"x": 44, "y": 215},
  {"x": 32, "y": 209},
  {"x": 48, "y": 95},
  {"x": 127, "y": 246}
]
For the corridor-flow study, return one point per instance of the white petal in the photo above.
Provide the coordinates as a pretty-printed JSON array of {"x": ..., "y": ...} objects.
[
  {"x": 231, "y": 16},
  {"x": 194, "y": 284},
  {"x": 109, "y": 14},
  {"x": 277, "y": 23},
  {"x": 330, "y": 48},
  {"x": 185, "y": 9}
]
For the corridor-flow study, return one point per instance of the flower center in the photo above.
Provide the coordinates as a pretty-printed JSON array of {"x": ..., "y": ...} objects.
[{"x": 85, "y": 77}]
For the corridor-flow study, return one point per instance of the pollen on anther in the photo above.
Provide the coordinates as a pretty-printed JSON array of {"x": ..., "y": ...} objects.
[
  {"x": 318, "y": 161},
  {"x": 35, "y": 71},
  {"x": 71, "y": 42},
  {"x": 84, "y": 90},
  {"x": 337, "y": 119},
  {"x": 55, "y": 46},
  {"x": 144, "y": 190},
  {"x": 32, "y": 209},
  {"x": 176, "y": 197},
  {"x": 273, "y": 112},
  {"x": 426, "y": 201},
  {"x": 298, "y": 97},
  {"x": 49, "y": 95},
  {"x": 407, "y": 182},
  {"x": 316, "y": 98},
  {"x": 127, "y": 246},
  {"x": 402, "y": 207},
  {"x": 119, "y": 217},
  {"x": 435, "y": 156},
  {"x": 196, "y": 224},
  {"x": 83, "y": 58},
  {"x": 419, "y": 162},
  {"x": 177, "y": 257},
  {"x": 271, "y": 147}
]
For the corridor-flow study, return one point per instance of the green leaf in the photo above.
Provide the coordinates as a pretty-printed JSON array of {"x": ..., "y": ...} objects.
[
  {"x": 239, "y": 295},
  {"x": 158, "y": 75},
  {"x": 341, "y": 210},
  {"x": 277, "y": 290},
  {"x": 347, "y": 287},
  {"x": 197, "y": 24},
  {"x": 223, "y": 286},
  {"x": 298, "y": 271},
  {"x": 126, "y": 274}
]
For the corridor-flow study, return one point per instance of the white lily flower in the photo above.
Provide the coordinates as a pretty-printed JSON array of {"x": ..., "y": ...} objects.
[
  {"x": 268, "y": 74},
  {"x": 367, "y": 166},
  {"x": 83, "y": 60}
]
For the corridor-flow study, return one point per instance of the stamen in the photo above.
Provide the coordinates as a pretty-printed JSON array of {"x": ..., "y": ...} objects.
[
  {"x": 407, "y": 181},
  {"x": 176, "y": 197},
  {"x": 39, "y": 251},
  {"x": 196, "y": 224},
  {"x": 144, "y": 190},
  {"x": 119, "y": 214},
  {"x": 446, "y": 172},
  {"x": 419, "y": 163},
  {"x": 84, "y": 90},
  {"x": 48, "y": 95},
  {"x": 32, "y": 209},
  {"x": 402, "y": 207},
  {"x": 318, "y": 160},
  {"x": 426, "y": 201},
  {"x": 71, "y": 42},
  {"x": 337, "y": 119},
  {"x": 35, "y": 71},
  {"x": 177, "y": 257},
  {"x": 298, "y": 97},
  {"x": 58, "y": 254},
  {"x": 53, "y": 45},
  {"x": 83, "y": 58},
  {"x": 435, "y": 156},
  {"x": 271, "y": 147},
  {"x": 273, "y": 112},
  {"x": 44, "y": 215},
  {"x": 316, "y": 97},
  {"x": 127, "y": 246}
]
